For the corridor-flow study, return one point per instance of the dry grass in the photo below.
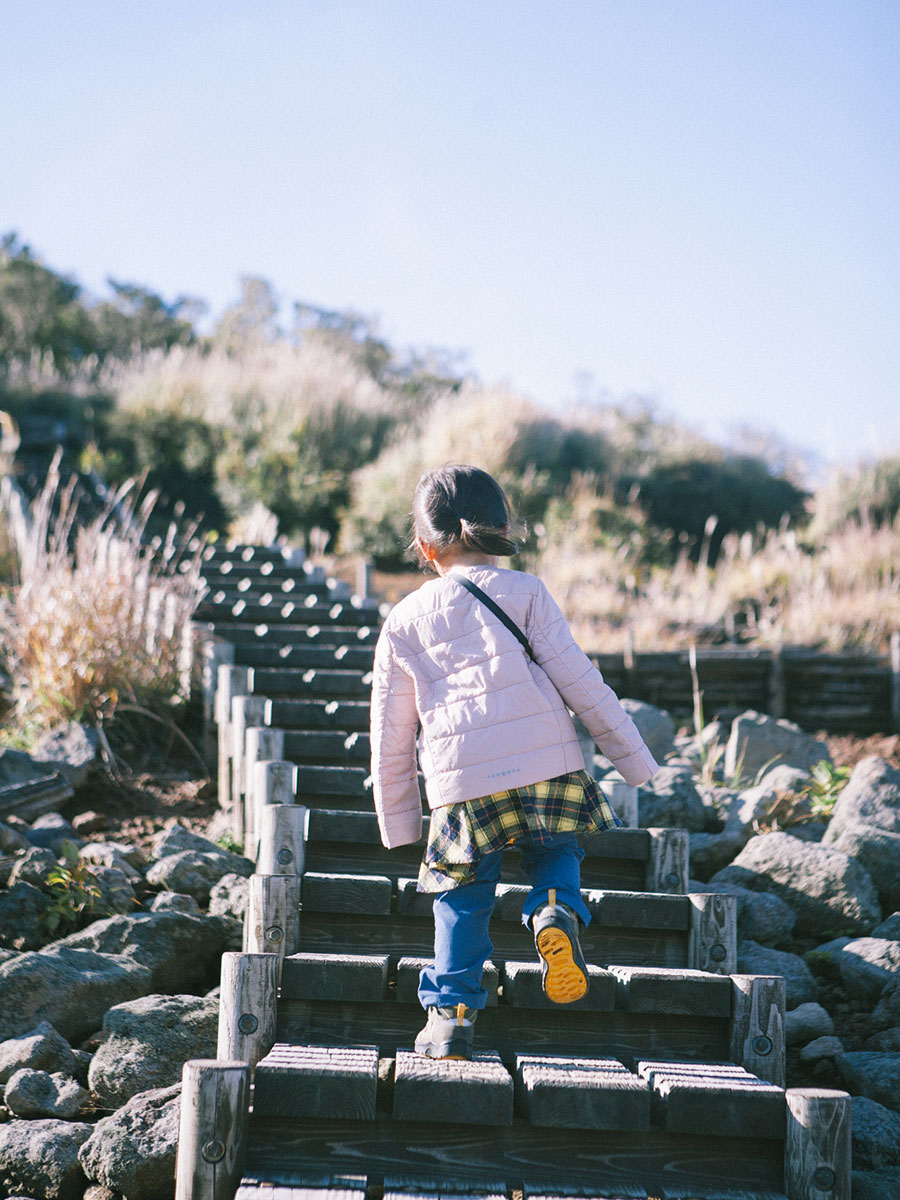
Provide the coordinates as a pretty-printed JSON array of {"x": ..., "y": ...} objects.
[{"x": 97, "y": 618}]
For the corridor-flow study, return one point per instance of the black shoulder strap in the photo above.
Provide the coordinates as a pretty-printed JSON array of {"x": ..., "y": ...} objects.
[{"x": 497, "y": 611}]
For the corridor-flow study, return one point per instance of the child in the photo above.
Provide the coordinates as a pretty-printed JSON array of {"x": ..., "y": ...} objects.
[{"x": 501, "y": 759}]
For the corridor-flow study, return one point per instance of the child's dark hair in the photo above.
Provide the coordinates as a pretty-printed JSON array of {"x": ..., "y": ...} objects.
[{"x": 465, "y": 505}]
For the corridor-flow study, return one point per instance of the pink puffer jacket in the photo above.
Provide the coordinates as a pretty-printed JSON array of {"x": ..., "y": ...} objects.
[{"x": 490, "y": 718}]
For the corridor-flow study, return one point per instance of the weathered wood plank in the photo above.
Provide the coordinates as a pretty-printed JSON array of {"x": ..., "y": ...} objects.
[
  {"x": 212, "y": 1131},
  {"x": 817, "y": 1146},
  {"x": 756, "y": 1035},
  {"x": 369, "y": 894},
  {"x": 247, "y": 1007},
  {"x": 522, "y": 989},
  {"x": 479, "y": 1092},
  {"x": 357, "y": 977},
  {"x": 409, "y": 969},
  {"x": 581, "y": 1093},
  {"x": 725, "y": 1101},
  {"x": 667, "y": 868},
  {"x": 300, "y": 684},
  {"x": 713, "y": 938},
  {"x": 654, "y": 989},
  {"x": 317, "y": 1081}
]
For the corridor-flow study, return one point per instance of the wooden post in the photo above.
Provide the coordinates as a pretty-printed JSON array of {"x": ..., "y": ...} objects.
[
  {"x": 895, "y": 682},
  {"x": 214, "y": 654},
  {"x": 817, "y": 1144},
  {"x": 667, "y": 868},
  {"x": 246, "y": 712},
  {"x": 272, "y": 924},
  {"x": 268, "y": 782},
  {"x": 623, "y": 798},
  {"x": 363, "y": 579},
  {"x": 777, "y": 696},
  {"x": 756, "y": 1030},
  {"x": 231, "y": 681},
  {"x": 261, "y": 744},
  {"x": 212, "y": 1134},
  {"x": 247, "y": 1007},
  {"x": 282, "y": 839},
  {"x": 712, "y": 942}
]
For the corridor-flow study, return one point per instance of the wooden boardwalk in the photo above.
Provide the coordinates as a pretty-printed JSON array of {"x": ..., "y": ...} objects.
[{"x": 665, "y": 1081}]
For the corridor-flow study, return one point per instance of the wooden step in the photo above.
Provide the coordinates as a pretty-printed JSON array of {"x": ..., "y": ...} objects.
[
  {"x": 479, "y": 1092},
  {"x": 317, "y": 1081},
  {"x": 293, "y": 654},
  {"x": 581, "y": 1093},
  {"x": 280, "y": 611},
  {"x": 244, "y": 633},
  {"x": 345, "y": 716},
  {"x": 312, "y": 684}
]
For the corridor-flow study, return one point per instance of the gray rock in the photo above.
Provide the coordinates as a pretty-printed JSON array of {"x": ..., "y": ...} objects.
[
  {"x": 32, "y": 1093},
  {"x": 671, "y": 799},
  {"x": 761, "y": 917},
  {"x": 807, "y": 1022},
  {"x": 133, "y": 1150},
  {"x": 879, "y": 852},
  {"x": 871, "y": 797},
  {"x": 148, "y": 1042},
  {"x": 876, "y": 1185},
  {"x": 182, "y": 951},
  {"x": 33, "y": 867},
  {"x": 889, "y": 928},
  {"x": 98, "y": 1191},
  {"x": 830, "y": 892},
  {"x": 69, "y": 987},
  {"x": 867, "y": 965},
  {"x": 191, "y": 873},
  {"x": 175, "y": 838},
  {"x": 229, "y": 897},
  {"x": 871, "y": 1074},
  {"x": 53, "y": 831},
  {"x": 40, "y": 1158},
  {"x": 116, "y": 892},
  {"x": 823, "y": 1047},
  {"x": 42, "y": 1049},
  {"x": 823, "y": 959},
  {"x": 174, "y": 902},
  {"x": 710, "y": 852},
  {"x": 127, "y": 858},
  {"x": 799, "y": 985},
  {"x": 886, "y": 1042},
  {"x": 11, "y": 841},
  {"x": 18, "y": 767},
  {"x": 887, "y": 1010},
  {"x": 757, "y": 742},
  {"x": 876, "y": 1134},
  {"x": 654, "y": 725},
  {"x": 23, "y": 915},
  {"x": 70, "y": 749}
]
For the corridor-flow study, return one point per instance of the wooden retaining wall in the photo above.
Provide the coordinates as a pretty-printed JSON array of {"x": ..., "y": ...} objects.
[{"x": 842, "y": 693}]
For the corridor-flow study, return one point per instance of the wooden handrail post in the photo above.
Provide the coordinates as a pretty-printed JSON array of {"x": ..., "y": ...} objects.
[
  {"x": 817, "y": 1144},
  {"x": 282, "y": 839},
  {"x": 261, "y": 744},
  {"x": 667, "y": 868},
  {"x": 246, "y": 712},
  {"x": 247, "y": 1007},
  {"x": 212, "y": 1134},
  {"x": 214, "y": 654},
  {"x": 756, "y": 1031},
  {"x": 268, "y": 782},
  {"x": 712, "y": 941},
  {"x": 272, "y": 924},
  {"x": 231, "y": 682}
]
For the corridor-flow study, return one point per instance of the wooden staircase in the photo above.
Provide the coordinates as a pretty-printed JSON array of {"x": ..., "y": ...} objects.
[{"x": 666, "y": 1081}]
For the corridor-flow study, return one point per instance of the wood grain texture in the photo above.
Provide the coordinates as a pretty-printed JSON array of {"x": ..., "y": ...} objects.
[
  {"x": 369, "y": 894},
  {"x": 522, "y": 989},
  {"x": 756, "y": 1036},
  {"x": 346, "y": 715},
  {"x": 212, "y": 1131},
  {"x": 479, "y": 1092},
  {"x": 817, "y": 1163},
  {"x": 282, "y": 837},
  {"x": 247, "y": 1006},
  {"x": 713, "y": 932},
  {"x": 408, "y": 970},
  {"x": 357, "y": 977},
  {"x": 667, "y": 868},
  {"x": 272, "y": 924},
  {"x": 317, "y": 1081},
  {"x": 655, "y": 989},
  {"x": 309, "y": 684},
  {"x": 581, "y": 1093}
]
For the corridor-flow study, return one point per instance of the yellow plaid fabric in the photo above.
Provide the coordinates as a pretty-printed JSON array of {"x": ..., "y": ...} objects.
[{"x": 459, "y": 834}]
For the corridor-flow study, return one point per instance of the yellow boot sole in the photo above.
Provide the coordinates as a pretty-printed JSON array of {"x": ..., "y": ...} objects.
[{"x": 565, "y": 982}]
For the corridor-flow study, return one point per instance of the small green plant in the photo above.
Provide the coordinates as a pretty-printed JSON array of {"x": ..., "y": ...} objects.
[
  {"x": 229, "y": 842},
  {"x": 74, "y": 890},
  {"x": 826, "y": 783}
]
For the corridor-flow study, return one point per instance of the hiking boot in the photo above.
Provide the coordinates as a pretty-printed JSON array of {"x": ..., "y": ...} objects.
[
  {"x": 564, "y": 974},
  {"x": 448, "y": 1033}
]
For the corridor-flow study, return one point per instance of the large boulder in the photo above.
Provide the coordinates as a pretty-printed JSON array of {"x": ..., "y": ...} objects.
[
  {"x": 42, "y": 1049},
  {"x": 182, "y": 951},
  {"x": 70, "y": 749},
  {"x": 654, "y": 725},
  {"x": 807, "y": 1022},
  {"x": 132, "y": 1152},
  {"x": 870, "y": 797},
  {"x": 53, "y": 832},
  {"x": 186, "y": 862},
  {"x": 830, "y": 892},
  {"x": 671, "y": 798},
  {"x": 24, "y": 913},
  {"x": 868, "y": 965},
  {"x": 874, "y": 1075},
  {"x": 44, "y": 1094},
  {"x": 758, "y": 742},
  {"x": 148, "y": 1042},
  {"x": 40, "y": 1158},
  {"x": 230, "y": 896},
  {"x": 799, "y": 985},
  {"x": 68, "y": 986}
]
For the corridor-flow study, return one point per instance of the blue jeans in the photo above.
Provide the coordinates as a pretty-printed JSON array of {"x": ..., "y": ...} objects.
[{"x": 461, "y": 916}]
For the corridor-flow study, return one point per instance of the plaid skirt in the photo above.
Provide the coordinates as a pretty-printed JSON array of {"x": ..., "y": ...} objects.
[{"x": 459, "y": 834}]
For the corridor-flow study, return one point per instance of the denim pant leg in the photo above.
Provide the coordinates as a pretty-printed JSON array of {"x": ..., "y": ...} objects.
[
  {"x": 461, "y": 941},
  {"x": 554, "y": 864}
]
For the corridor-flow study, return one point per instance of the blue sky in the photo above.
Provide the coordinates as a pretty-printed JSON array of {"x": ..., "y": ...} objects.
[{"x": 695, "y": 202}]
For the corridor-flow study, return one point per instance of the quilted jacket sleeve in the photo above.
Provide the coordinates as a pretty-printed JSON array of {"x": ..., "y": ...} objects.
[
  {"x": 582, "y": 688},
  {"x": 394, "y": 722}
]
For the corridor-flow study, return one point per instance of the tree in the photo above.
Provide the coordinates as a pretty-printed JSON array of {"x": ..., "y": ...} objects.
[
  {"x": 252, "y": 320},
  {"x": 41, "y": 315},
  {"x": 136, "y": 319}
]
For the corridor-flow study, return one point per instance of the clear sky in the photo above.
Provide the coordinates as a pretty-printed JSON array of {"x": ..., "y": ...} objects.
[{"x": 696, "y": 202}]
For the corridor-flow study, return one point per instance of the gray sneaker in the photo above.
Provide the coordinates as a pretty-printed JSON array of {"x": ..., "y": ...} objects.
[{"x": 448, "y": 1033}]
